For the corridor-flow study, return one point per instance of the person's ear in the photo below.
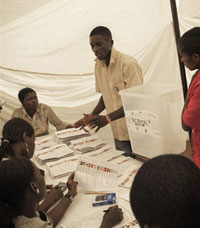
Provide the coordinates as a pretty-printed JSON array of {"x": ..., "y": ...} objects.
[
  {"x": 34, "y": 188},
  {"x": 111, "y": 43},
  {"x": 196, "y": 57},
  {"x": 24, "y": 137}
]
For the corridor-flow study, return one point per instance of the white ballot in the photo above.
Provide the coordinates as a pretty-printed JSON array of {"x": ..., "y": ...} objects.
[
  {"x": 67, "y": 135},
  {"x": 87, "y": 144},
  {"x": 124, "y": 162},
  {"x": 127, "y": 177},
  {"x": 63, "y": 167},
  {"x": 95, "y": 175},
  {"x": 44, "y": 142},
  {"x": 54, "y": 152},
  {"x": 106, "y": 153}
]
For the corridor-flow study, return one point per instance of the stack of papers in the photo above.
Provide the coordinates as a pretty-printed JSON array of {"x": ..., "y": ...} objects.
[
  {"x": 95, "y": 175},
  {"x": 67, "y": 135},
  {"x": 87, "y": 144},
  {"x": 53, "y": 152},
  {"x": 44, "y": 142},
  {"x": 63, "y": 166},
  {"x": 124, "y": 162},
  {"x": 127, "y": 178},
  {"x": 106, "y": 153}
]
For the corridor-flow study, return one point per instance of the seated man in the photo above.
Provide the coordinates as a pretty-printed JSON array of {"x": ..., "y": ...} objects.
[
  {"x": 37, "y": 114},
  {"x": 166, "y": 193}
]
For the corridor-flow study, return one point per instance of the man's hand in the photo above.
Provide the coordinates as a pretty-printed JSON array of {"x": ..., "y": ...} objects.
[
  {"x": 84, "y": 121},
  {"x": 69, "y": 126},
  {"x": 98, "y": 121},
  {"x": 53, "y": 195},
  {"x": 72, "y": 185},
  {"x": 112, "y": 217}
]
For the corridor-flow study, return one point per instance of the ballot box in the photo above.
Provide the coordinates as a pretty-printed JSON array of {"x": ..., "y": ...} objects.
[{"x": 153, "y": 117}]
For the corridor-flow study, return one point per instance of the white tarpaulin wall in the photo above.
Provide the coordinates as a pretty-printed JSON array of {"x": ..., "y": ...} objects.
[{"x": 48, "y": 48}]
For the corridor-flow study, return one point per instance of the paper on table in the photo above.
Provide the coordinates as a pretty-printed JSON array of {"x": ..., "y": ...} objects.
[
  {"x": 127, "y": 177},
  {"x": 95, "y": 175},
  {"x": 95, "y": 219},
  {"x": 57, "y": 151},
  {"x": 67, "y": 135},
  {"x": 124, "y": 162},
  {"x": 87, "y": 144},
  {"x": 45, "y": 142},
  {"x": 106, "y": 153},
  {"x": 63, "y": 166}
]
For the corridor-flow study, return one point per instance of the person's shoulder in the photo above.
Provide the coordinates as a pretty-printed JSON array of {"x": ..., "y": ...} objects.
[
  {"x": 24, "y": 222},
  {"x": 17, "y": 111},
  {"x": 126, "y": 58},
  {"x": 42, "y": 106}
]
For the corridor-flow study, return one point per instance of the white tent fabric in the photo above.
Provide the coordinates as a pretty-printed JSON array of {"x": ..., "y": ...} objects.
[{"x": 48, "y": 48}]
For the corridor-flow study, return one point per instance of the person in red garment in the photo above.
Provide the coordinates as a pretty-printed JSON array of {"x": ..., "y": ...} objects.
[{"x": 189, "y": 49}]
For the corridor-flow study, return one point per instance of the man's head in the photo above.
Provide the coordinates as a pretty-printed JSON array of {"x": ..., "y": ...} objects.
[
  {"x": 101, "y": 42},
  {"x": 166, "y": 193},
  {"x": 28, "y": 98}
]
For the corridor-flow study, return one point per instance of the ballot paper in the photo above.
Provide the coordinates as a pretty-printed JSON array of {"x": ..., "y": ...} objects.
[
  {"x": 127, "y": 177},
  {"x": 95, "y": 219},
  {"x": 87, "y": 144},
  {"x": 44, "y": 142},
  {"x": 53, "y": 152},
  {"x": 95, "y": 175},
  {"x": 67, "y": 135},
  {"x": 63, "y": 167},
  {"x": 124, "y": 162},
  {"x": 106, "y": 153}
]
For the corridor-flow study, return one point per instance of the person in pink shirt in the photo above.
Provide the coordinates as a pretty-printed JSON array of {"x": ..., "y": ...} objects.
[{"x": 189, "y": 49}]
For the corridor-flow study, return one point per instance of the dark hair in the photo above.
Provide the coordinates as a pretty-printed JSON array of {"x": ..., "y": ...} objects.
[
  {"x": 12, "y": 133},
  {"x": 189, "y": 42},
  {"x": 23, "y": 92},
  {"x": 166, "y": 193},
  {"x": 101, "y": 30},
  {"x": 16, "y": 175}
]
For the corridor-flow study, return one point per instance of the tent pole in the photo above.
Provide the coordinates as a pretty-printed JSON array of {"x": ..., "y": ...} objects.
[
  {"x": 177, "y": 36},
  {"x": 181, "y": 65}
]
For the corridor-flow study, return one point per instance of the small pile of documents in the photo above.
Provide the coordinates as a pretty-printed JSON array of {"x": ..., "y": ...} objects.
[
  {"x": 87, "y": 144},
  {"x": 53, "y": 153},
  {"x": 67, "y": 135},
  {"x": 95, "y": 175},
  {"x": 44, "y": 142},
  {"x": 63, "y": 167}
]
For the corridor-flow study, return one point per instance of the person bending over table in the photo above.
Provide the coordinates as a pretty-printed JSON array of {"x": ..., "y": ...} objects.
[
  {"x": 166, "y": 193},
  {"x": 22, "y": 187},
  {"x": 19, "y": 202},
  {"x": 18, "y": 141},
  {"x": 114, "y": 71},
  {"x": 37, "y": 114}
]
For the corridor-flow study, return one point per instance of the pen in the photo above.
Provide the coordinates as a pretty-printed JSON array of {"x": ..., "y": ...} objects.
[{"x": 105, "y": 211}]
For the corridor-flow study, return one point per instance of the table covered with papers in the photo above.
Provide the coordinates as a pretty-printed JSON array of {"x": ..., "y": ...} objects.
[{"x": 98, "y": 168}]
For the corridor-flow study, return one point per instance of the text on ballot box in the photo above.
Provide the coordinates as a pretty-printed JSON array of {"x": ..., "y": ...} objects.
[{"x": 153, "y": 117}]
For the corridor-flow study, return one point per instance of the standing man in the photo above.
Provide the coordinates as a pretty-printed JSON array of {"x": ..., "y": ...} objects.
[{"x": 114, "y": 71}]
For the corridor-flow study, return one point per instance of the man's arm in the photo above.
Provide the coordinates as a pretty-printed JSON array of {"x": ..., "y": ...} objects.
[
  {"x": 54, "y": 119},
  {"x": 99, "y": 108},
  {"x": 100, "y": 121},
  {"x": 88, "y": 117},
  {"x": 184, "y": 126}
]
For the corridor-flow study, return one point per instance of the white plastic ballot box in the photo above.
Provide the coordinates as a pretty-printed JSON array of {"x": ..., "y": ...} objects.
[{"x": 153, "y": 117}]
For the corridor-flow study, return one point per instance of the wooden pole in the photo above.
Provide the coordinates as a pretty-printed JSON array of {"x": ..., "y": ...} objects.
[
  {"x": 181, "y": 65},
  {"x": 177, "y": 36}
]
